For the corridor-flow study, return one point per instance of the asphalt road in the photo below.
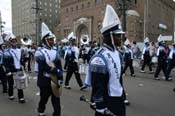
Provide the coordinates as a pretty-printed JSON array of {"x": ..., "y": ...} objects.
[{"x": 148, "y": 97}]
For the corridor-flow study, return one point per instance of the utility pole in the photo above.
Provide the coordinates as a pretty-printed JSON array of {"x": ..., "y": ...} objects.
[
  {"x": 124, "y": 15},
  {"x": 36, "y": 21}
]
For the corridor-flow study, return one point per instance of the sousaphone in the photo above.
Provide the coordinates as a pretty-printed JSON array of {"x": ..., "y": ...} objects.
[
  {"x": 84, "y": 39},
  {"x": 57, "y": 90},
  {"x": 26, "y": 41}
]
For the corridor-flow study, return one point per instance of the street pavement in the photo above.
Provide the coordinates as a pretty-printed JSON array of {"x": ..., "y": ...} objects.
[{"x": 148, "y": 97}]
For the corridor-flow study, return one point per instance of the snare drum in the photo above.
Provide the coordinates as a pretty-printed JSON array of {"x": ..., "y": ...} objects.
[{"x": 21, "y": 80}]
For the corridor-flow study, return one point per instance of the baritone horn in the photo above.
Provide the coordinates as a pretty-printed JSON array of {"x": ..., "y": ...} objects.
[
  {"x": 55, "y": 89},
  {"x": 84, "y": 39}
]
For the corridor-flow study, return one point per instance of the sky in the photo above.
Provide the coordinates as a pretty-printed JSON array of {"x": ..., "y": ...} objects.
[{"x": 5, "y": 9}]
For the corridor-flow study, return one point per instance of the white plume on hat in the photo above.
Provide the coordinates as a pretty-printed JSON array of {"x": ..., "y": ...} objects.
[
  {"x": 71, "y": 36},
  {"x": 1, "y": 40},
  {"x": 146, "y": 40},
  {"x": 9, "y": 37},
  {"x": 127, "y": 42},
  {"x": 45, "y": 31},
  {"x": 111, "y": 20},
  {"x": 159, "y": 39}
]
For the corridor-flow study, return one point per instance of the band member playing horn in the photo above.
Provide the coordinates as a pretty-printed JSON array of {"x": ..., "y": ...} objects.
[
  {"x": 104, "y": 72},
  {"x": 27, "y": 51},
  {"x": 44, "y": 57},
  {"x": 13, "y": 64}
]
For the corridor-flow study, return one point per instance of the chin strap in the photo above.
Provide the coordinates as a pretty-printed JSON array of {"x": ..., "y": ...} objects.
[
  {"x": 48, "y": 44},
  {"x": 112, "y": 40}
]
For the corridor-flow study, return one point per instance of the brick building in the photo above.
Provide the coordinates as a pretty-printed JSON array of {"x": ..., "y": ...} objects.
[{"x": 143, "y": 17}]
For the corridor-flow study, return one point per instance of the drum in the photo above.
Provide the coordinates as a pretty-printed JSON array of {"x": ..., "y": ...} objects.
[
  {"x": 154, "y": 59},
  {"x": 136, "y": 63},
  {"x": 21, "y": 80},
  {"x": 83, "y": 68}
]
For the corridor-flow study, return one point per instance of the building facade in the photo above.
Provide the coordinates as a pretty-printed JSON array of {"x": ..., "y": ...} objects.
[
  {"x": 0, "y": 24},
  {"x": 27, "y": 16},
  {"x": 143, "y": 18}
]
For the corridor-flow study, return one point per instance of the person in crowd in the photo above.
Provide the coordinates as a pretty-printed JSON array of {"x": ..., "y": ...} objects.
[
  {"x": 92, "y": 51},
  {"x": 45, "y": 56},
  {"x": 104, "y": 72},
  {"x": 146, "y": 57},
  {"x": 128, "y": 58},
  {"x": 72, "y": 66},
  {"x": 136, "y": 50},
  {"x": 162, "y": 62},
  {"x": 13, "y": 61},
  {"x": 2, "y": 68},
  {"x": 171, "y": 60}
]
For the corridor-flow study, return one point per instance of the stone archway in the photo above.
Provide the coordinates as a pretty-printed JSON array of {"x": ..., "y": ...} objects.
[
  {"x": 82, "y": 26},
  {"x": 81, "y": 30}
]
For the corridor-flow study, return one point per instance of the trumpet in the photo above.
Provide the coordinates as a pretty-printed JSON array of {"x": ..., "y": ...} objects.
[{"x": 107, "y": 112}]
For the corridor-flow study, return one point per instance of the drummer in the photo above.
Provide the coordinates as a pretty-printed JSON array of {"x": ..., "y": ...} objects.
[{"x": 13, "y": 62}]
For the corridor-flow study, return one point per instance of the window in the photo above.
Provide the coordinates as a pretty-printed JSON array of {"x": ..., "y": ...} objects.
[
  {"x": 88, "y": 4},
  {"x": 82, "y": 6}
]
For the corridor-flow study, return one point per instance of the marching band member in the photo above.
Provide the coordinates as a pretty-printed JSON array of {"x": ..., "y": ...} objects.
[
  {"x": 72, "y": 66},
  {"x": 171, "y": 60},
  {"x": 104, "y": 72},
  {"x": 128, "y": 58},
  {"x": 2, "y": 68},
  {"x": 162, "y": 61},
  {"x": 146, "y": 56},
  {"x": 13, "y": 63},
  {"x": 44, "y": 56}
]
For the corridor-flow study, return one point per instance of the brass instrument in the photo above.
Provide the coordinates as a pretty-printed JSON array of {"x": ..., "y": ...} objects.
[
  {"x": 26, "y": 41},
  {"x": 84, "y": 39}
]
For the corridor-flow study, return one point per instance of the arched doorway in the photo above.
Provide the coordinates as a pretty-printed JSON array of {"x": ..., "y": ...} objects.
[{"x": 81, "y": 31}]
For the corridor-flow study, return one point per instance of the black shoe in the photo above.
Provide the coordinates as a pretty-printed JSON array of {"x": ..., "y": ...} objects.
[
  {"x": 11, "y": 97},
  {"x": 67, "y": 87},
  {"x": 126, "y": 102},
  {"x": 41, "y": 114},
  {"x": 169, "y": 79},
  {"x": 83, "y": 87},
  {"x": 133, "y": 75},
  {"x": 156, "y": 78},
  {"x": 174, "y": 89},
  {"x": 22, "y": 100}
]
